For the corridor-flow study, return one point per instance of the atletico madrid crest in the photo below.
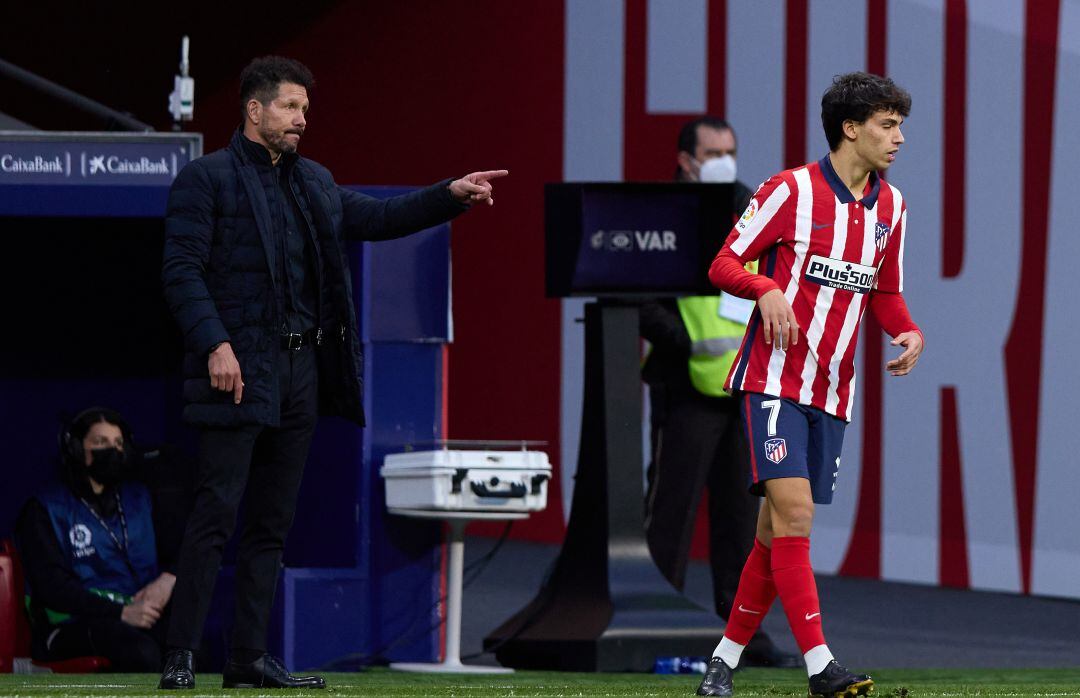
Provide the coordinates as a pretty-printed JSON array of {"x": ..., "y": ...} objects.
[
  {"x": 881, "y": 235},
  {"x": 776, "y": 450}
]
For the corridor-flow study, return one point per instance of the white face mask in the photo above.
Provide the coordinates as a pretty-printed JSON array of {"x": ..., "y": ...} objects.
[{"x": 720, "y": 170}]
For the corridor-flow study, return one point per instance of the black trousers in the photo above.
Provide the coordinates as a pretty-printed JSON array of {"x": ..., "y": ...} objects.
[
  {"x": 264, "y": 466},
  {"x": 698, "y": 442},
  {"x": 128, "y": 649}
]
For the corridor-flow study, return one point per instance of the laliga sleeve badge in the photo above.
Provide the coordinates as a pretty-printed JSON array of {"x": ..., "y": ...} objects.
[{"x": 748, "y": 214}]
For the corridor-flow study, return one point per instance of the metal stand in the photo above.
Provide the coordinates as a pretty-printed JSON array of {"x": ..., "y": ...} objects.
[
  {"x": 457, "y": 521},
  {"x": 605, "y": 606}
]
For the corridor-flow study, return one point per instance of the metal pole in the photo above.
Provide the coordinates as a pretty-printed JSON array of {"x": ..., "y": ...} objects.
[
  {"x": 454, "y": 573},
  {"x": 47, "y": 87}
]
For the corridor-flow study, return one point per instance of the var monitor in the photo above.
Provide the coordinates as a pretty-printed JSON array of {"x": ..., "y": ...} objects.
[{"x": 635, "y": 238}]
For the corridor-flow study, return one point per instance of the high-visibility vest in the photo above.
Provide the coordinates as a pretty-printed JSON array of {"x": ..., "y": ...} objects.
[{"x": 715, "y": 342}]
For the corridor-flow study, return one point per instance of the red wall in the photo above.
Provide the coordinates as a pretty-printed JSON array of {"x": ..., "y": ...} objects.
[{"x": 409, "y": 93}]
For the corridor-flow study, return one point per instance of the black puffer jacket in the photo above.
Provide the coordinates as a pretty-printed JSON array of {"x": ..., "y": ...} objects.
[{"x": 221, "y": 270}]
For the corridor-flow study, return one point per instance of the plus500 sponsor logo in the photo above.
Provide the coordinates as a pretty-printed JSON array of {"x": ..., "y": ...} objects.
[{"x": 836, "y": 273}]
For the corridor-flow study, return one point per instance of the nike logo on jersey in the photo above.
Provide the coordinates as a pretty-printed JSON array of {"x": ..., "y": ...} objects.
[
  {"x": 836, "y": 273},
  {"x": 747, "y": 610},
  {"x": 810, "y": 616},
  {"x": 819, "y": 226}
]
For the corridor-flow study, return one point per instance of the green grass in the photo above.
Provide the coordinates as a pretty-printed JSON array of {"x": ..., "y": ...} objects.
[{"x": 891, "y": 683}]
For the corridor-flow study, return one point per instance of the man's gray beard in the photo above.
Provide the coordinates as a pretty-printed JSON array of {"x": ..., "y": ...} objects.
[{"x": 278, "y": 142}]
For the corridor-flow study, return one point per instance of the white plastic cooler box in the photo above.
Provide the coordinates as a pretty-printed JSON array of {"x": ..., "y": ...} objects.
[{"x": 467, "y": 480}]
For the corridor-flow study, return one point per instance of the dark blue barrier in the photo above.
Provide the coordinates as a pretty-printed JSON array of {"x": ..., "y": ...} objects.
[{"x": 401, "y": 289}]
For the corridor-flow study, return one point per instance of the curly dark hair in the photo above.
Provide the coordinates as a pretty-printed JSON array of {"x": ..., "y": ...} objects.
[
  {"x": 262, "y": 77},
  {"x": 855, "y": 97}
]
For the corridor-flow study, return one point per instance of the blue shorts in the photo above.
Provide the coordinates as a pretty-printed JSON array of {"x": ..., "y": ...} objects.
[{"x": 791, "y": 440}]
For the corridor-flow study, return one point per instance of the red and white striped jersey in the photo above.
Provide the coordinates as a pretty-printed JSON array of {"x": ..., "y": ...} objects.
[{"x": 827, "y": 252}]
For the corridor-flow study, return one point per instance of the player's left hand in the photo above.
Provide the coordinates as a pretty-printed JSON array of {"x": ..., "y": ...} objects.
[
  {"x": 913, "y": 345},
  {"x": 476, "y": 187}
]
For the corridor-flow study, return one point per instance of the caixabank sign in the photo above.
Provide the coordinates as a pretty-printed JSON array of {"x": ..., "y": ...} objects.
[{"x": 77, "y": 158}]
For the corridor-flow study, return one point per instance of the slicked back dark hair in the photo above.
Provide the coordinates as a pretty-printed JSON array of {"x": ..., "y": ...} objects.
[
  {"x": 857, "y": 96},
  {"x": 688, "y": 134},
  {"x": 262, "y": 77}
]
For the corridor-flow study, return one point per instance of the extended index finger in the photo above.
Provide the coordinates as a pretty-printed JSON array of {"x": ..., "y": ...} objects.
[{"x": 491, "y": 174}]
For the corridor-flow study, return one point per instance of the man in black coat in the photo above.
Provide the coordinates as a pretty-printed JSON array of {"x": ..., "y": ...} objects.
[{"x": 256, "y": 274}]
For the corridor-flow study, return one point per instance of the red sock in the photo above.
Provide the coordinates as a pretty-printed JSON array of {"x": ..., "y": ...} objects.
[
  {"x": 754, "y": 597},
  {"x": 795, "y": 584}
]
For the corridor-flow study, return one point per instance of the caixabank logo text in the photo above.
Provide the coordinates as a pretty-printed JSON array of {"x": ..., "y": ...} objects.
[
  {"x": 93, "y": 164},
  {"x": 37, "y": 164}
]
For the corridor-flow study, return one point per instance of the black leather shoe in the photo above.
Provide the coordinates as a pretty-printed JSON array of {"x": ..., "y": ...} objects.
[
  {"x": 717, "y": 681},
  {"x": 835, "y": 681},
  {"x": 761, "y": 652},
  {"x": 179, "y": 670},
  {"x": 265, "y": 672}
]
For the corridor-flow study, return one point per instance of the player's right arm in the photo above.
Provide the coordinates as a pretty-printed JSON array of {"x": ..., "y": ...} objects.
[{"x": 767, "y": 221}]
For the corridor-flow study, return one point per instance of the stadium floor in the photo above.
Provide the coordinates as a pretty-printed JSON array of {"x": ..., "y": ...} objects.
[
  {"x": 868, "y": 623},
  {"x": 914, "y": 640},
  {"x": 896, "y": 683}
]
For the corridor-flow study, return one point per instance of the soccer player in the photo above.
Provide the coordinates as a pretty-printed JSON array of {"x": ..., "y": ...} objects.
[{"x": 829, "y": 237}]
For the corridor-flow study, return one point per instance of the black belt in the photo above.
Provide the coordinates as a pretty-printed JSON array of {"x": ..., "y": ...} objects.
[{"x": 294, "y": 341}]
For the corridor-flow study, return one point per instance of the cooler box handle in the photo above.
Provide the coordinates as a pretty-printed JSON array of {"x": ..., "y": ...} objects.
[{"x": 517, "y": 490}]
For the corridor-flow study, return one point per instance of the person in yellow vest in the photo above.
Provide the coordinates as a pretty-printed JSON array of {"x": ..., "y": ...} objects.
[{"x": 697, "y": 443}]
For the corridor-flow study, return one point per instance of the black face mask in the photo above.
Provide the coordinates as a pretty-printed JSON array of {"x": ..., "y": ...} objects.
[{"x": 106, "y": 465}]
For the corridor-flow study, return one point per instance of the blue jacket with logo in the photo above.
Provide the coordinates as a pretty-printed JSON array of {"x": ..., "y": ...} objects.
[{"x": 94, "y": 556}]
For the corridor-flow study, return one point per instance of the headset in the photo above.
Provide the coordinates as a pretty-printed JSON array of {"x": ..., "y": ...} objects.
[{"x": 70, "y": 443}]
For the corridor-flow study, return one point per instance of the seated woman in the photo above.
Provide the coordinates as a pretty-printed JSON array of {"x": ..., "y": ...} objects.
[{"x": 90, "y": 554}]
